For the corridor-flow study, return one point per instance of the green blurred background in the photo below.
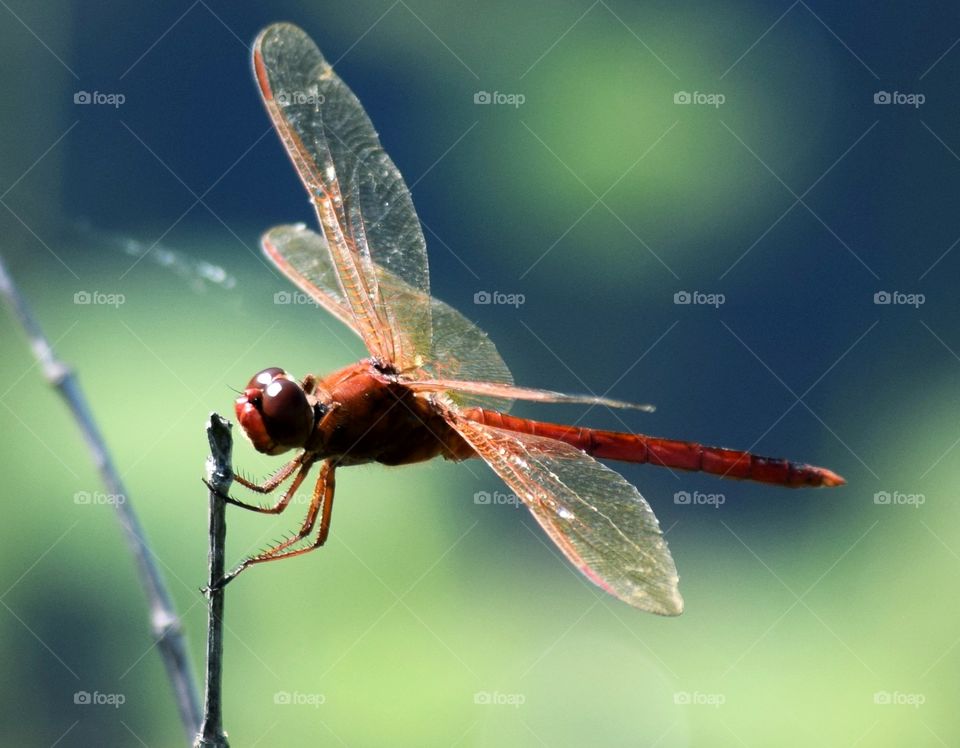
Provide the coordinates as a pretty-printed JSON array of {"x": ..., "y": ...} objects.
[{"x": 824, "y": 618}]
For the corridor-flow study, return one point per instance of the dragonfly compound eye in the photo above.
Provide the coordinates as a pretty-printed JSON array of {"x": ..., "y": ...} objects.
[
  {"x": 287, "y": 414},
  {"x": 274, "y": 412}
]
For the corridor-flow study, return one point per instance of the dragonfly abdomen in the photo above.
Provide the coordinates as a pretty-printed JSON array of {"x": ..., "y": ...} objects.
[{"x": 672, "y": 453}]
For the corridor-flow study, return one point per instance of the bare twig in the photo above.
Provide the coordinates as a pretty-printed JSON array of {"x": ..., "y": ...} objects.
[
  {"x": 164, "y": 623},
  {"x": 219, "y": 477}
]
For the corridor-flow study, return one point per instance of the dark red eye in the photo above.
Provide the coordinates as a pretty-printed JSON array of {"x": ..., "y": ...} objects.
[
  {"x": 286, "y": 412},
  {"x": 274, "y": 412}
]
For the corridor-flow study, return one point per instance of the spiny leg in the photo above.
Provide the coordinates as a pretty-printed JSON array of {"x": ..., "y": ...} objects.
[
  {"x": 305, "y": 462},
  {"x": 270, "y": 485},
  {"x": 322, "y": 498}
]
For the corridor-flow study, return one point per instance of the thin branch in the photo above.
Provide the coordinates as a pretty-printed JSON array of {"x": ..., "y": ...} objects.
[
  {"x": 219, "y": 478},
  {"x": 164, "y": 623}
]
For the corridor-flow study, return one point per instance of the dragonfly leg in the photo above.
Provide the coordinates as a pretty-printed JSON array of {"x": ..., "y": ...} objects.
[
  {"x": 304, "y": 462},
  {"x": 321, "y": 503},
  {"x": 269, "y": 485}
]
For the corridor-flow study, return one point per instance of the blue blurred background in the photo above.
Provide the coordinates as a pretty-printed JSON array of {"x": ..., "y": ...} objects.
[{"x": 741, "y": 154}]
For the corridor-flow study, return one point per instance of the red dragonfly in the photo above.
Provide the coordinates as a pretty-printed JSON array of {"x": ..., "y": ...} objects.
[{"x": 434, "y": 385}]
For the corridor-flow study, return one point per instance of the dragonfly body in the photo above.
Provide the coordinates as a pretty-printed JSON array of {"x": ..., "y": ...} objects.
[
  {"x": 434, "y": 385},
  {"x": 366, "y": 413}
]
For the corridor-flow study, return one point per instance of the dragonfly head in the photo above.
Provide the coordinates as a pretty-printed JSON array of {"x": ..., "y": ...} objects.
[{"x": 275, "y": 412}]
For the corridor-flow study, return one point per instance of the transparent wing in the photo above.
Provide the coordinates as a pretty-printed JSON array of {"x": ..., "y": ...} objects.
[
  {"x": 303, "y": 256},
  {"x": 462, "y": 351},
  {"x": 600, "y": 522},
  {"x": 370, "y": 267},
  {"x": 512, "y": 392},
  {"x": 364, "y": 207}
]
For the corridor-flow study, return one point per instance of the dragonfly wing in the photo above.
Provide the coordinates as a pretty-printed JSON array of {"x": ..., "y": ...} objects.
[
  {"x": 364, "y": 207},
  {"x": 599, "y": 520},
  {"x": 462, "y": 351},
  {"x": 511, "y": 392},
  {"x": 304, "y": 257}
]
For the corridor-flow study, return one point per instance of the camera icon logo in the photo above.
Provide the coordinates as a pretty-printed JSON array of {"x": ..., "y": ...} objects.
[
  {"x": 482, "y": 97},
  {"x": 482, "y": 497},
  {"x": 482, "y": 297},
  {"x": 682, "y": 497},
  {"x": 882, "y": 497},
  {"x": 682, "y": 97},
  {"x": 82, "y": 97},
  {"x": 82, "y": 697},
  {"x": 882, "y": 97},
  {"x": 682, "y": 297},
  {"x": 882, "y": 297},
  {"x": 282, "y": 297},
  {"x": 82, "y": 297}
]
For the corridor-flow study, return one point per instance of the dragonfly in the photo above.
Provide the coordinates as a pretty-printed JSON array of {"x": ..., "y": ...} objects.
[{"x": 434, "y": 384}]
